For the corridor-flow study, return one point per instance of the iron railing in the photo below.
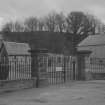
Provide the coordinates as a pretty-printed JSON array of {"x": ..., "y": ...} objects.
[
  {"x": 96, "y": 67},
  {"x": 15, "y": 67},
  {"x": 55, "y": 68}
]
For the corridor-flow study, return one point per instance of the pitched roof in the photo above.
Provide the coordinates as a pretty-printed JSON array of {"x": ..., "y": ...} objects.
[
  {"x": 14, "y": 48},
  {"x": 93, "y": 40},
  {"x": 95, "y": 44}
]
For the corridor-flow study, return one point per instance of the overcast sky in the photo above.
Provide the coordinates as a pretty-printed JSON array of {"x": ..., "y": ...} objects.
[{"x": 19, "y": 9}]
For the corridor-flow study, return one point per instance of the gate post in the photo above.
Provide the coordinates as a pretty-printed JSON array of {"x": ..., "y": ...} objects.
[
  {"x": 82, "y": 64},
  {"x": 74, "y": 67},
  {"x": 64, "y": 71},
  {"x": 74, "y": 70},
  {"x": 37, "y": 57}
]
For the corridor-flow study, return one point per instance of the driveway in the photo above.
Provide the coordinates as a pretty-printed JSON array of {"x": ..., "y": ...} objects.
[{"x": 76, "y": 93}]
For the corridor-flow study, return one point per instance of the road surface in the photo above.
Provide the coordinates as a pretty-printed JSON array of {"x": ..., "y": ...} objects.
[{"x": 76, "y": 93}]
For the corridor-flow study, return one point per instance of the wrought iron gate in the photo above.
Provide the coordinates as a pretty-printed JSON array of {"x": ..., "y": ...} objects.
[{"x": 59, "y": 68}]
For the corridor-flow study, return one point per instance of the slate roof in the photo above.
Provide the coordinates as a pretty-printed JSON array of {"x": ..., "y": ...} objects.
[
  {"x": 93, "y": 40},
  {"x": 14, "y": 48},
  {"x": 95, "y": 44}
]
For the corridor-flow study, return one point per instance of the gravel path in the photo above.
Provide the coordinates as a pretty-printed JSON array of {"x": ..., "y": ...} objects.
[{"x": 77, "y": 93}]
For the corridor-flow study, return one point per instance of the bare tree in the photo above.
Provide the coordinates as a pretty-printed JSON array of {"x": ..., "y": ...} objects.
[
  {"x": 18, "y": 26},
  {"x": 60, "y": 22},
  {"x": 13, "y": 27},
  {"x": 41, "y": 24},
  {"x": 92, "y": 23},
  {"x": 8, "y": 27},
  {"x": 31, "y": 24},
  {"x": 96, "y": 25},
  {"x": 50, "y": 23},
  {"x": 79, "y": 25},
  {"x": 55, "y": 22},
  {"x": 76, "y": 22},
  {"x": 100, "y": 28}
]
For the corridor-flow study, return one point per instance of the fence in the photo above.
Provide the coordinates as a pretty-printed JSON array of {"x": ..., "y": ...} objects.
[
  {"x": 95, "y": 67},
  {"x": 15, "y": 67},
  {"x": 48, "y": 68},
  {"x": 59, "y": 68}
]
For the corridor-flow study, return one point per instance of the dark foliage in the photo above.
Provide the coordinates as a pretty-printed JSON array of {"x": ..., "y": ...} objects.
[{"x": 53, "y": 41}]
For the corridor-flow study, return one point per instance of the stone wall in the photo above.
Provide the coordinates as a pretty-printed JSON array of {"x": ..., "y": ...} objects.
[{"x": 17, "y": 84}]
